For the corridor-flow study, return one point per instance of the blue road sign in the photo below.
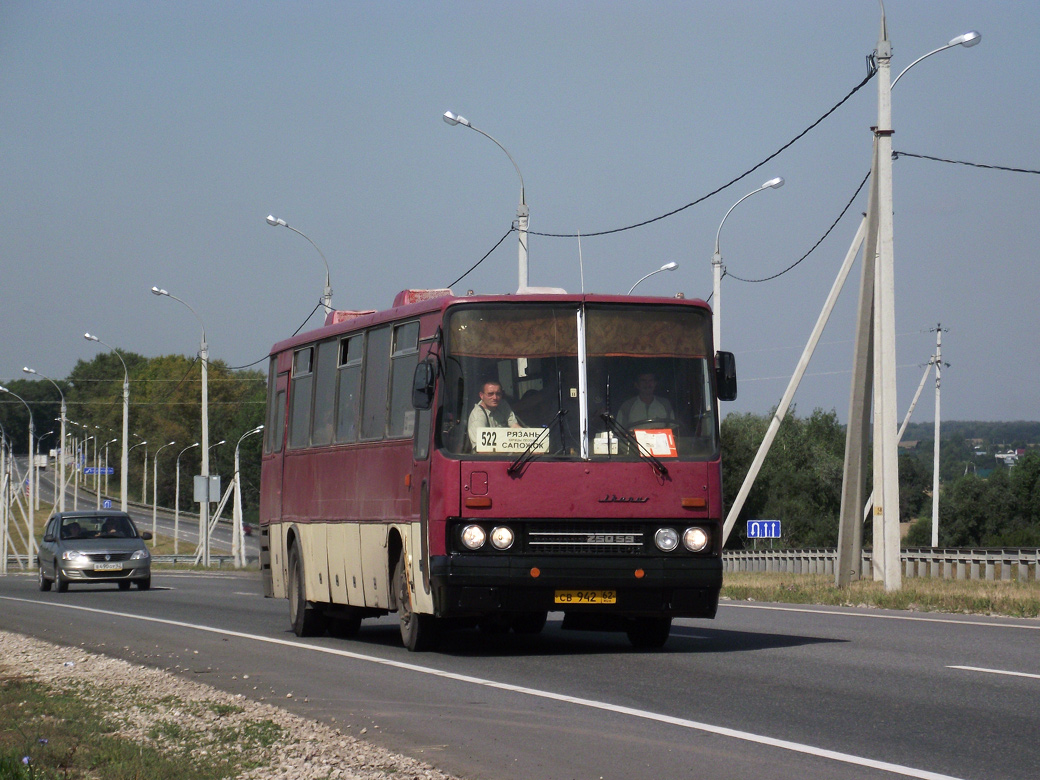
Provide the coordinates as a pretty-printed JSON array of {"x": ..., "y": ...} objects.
[
  {"x": 99, "y": 470},
  {"x": 107, "y": 503},
  {"x": 763, "y": 529}
]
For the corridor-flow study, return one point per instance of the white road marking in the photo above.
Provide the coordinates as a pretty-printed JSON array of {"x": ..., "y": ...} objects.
[
  {"x": 745, "y": 736},
  {"x": 1034, "y": 627},
  {"x": 995, "y": 671}
]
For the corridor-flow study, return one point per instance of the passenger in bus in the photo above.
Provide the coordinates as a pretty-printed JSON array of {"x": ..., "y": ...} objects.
[
  {"x": 645, "y": 405},
  {"x": 491, "y": 411}
]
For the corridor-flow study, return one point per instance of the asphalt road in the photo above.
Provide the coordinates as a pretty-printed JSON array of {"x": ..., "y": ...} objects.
[{"x": 763, "y": 691}]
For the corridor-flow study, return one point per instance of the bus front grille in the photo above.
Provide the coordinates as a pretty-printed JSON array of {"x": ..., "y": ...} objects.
[{"x": 582, "y": 539}]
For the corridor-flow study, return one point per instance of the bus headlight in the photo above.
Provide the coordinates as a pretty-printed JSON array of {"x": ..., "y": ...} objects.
[
  {"x": 501, "y": 538},
  {"x": 666, "y": 539},
  {"x": 473, "y": 537},
  {"x": 696, "y": 539}
]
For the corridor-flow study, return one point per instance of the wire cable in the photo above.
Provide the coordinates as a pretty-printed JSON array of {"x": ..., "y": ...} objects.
[
  {"x": 481, "y": 260},
  {"x": 897, "y": 155},
  {"x": 871, "y": 71},
  {"x": 265, "y": 357},
  {"x": 814, "y": 246}
]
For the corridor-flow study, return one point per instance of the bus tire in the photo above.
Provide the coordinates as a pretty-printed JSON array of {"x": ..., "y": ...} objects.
[
  {"x": 306, "y": 619},
  {"x": 418, "y": 632},
  {"x": 649, "y": 633}
]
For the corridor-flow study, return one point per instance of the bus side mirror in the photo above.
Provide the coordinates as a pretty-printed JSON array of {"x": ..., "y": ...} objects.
[
  {"x": 423, "y": 382},
  {"x": 726, "y": 376}
]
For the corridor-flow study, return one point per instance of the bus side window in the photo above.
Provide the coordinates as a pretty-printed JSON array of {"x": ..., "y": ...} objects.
[
  {"x": 324, "y": 393},
  {"x": 403, "y": 360},
  {"x": 302, "y": 385},
  {"x": 377, "y": 372},
  {"x": 351, "y": 351}
]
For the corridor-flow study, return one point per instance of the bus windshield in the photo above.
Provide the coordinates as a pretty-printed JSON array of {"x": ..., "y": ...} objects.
[{"x": 514, "y": 382}]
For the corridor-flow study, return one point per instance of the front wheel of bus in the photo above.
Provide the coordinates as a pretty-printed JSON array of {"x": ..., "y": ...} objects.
[
  {"x": 306, "y": 620},
  {"x": 649, "y": 633},
  {"x": 418, "y": 632}
]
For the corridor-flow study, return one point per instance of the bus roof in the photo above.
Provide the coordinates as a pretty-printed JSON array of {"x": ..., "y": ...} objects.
[{"x": 414, "y": 303}]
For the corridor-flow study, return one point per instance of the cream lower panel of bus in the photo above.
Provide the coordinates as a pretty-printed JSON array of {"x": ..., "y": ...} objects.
[
  {"x": 422, "y": 599},
  {"x": 345, "y": 572},
  {"x": 279, "y": 563},
  {"x": 374, "y": 564},
  {"x": 314, "y": 540}
]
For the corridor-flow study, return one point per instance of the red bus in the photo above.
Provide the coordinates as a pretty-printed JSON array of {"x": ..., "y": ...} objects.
[{"x": 485, "y": 460}]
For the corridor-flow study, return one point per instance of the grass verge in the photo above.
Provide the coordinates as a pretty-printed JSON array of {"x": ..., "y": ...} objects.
[
  {"x": 1013, "y": 599},
  {"x": 84, "y": 732}
]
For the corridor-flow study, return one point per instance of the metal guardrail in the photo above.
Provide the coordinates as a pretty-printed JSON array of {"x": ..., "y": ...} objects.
[{"x": 960, "y": 563}]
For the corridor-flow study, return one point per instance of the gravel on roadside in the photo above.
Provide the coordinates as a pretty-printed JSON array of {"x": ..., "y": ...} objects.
[{"x": 146, "y": 698}]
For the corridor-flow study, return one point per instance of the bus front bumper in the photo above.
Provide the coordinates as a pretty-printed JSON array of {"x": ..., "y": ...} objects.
[{"x": 486, "y": 584}]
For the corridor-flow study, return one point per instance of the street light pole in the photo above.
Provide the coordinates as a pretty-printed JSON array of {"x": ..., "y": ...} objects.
[
  {"x": 204, "y": 357},
  {"x": 237, "y": 538},
  {"x": 522, "y": 212},
  {"x": 61, "y": 466},
  {"x": 177, "y": 500},
  {"x": 718, "y": 270},
  {"x": 326, "y": 298},
  {"x": 155, "y": 488},
  {"x": 123, "y": 475},
  {"x": 666, "y": 267},
  {"x": 31, "y": 533},
  {"x": 877, "y": 305}
]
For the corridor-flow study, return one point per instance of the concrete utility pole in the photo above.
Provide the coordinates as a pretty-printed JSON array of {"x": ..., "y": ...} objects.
[
  {"x": 874, "y": 362},
  {"x": 937, "y": 361}
]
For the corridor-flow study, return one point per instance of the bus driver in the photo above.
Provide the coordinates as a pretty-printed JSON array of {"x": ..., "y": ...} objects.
[
  {"x": 492, "y": 411},
  {"x": 645, "y": 406}
]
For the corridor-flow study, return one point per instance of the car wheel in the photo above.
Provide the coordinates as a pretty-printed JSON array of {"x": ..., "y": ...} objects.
[
  {"x": 144, "y": 584},
  {"x": 418, "y": 632},
  {"x": 306, "y": 619},
  {"x": 45, "y": 584},
  {"x": 649, "y": 633},
  {"x": 60, "y": 582},
  {"x": 124, "y": 585}
]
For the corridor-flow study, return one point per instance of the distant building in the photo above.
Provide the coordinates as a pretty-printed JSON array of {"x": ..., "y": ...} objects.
[{"x": 1010, "y": 458}]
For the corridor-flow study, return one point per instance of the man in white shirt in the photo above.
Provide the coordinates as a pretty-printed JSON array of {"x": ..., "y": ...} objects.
[
  {"x": 492, "y": 411},
  {"x": 645, "y": 405}
]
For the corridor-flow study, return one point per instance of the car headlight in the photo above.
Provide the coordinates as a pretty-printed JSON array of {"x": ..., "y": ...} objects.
[
  {"x": 473, "y": 537},
  {"x": 666, "y": 539},
  {"x": 696, "y": 539},
  {"x": 502, "y": 538},
  {"x": 76, "y": 556},
  {"x": 140, "y": 555}
]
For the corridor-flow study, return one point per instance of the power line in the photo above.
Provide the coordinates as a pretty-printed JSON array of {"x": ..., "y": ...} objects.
[{"x": 897, "y": 155}]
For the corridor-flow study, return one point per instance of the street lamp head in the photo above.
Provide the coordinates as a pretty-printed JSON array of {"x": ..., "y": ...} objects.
[
  {"x": 775, "y": 184},
  {"x": 669, "y": 266},
  {"x": 28, "y": 370},
  {"x": 454, "y": 119},
  {"x": 967, "y": 40},
  {"x": 159, "y": 291},
  {"x": 274, "y": 221},
  {"x": 88, "y": 337}
]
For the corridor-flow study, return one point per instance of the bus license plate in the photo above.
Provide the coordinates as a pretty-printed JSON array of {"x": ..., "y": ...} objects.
[
  {"x": 108, "y": 567},
  {"x": 586, "y": 597}
]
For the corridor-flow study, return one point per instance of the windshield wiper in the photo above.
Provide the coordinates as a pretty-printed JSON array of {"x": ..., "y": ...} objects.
[
  {"x": 658, "y": 467},
  {"x": 528, "y": 453}
]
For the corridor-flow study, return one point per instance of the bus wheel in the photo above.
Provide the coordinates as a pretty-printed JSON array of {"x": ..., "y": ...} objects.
[
  {"x": 306, "y": 619},
  {"x": 649, "y": 633},
  {"x": 418, "y": 632},
  {"x": 529, "y": 622}
]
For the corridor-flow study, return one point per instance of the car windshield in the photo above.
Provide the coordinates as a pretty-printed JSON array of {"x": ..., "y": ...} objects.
[
  {"x": 99, "y": 527},
  {"x": 513, "y": 382}
]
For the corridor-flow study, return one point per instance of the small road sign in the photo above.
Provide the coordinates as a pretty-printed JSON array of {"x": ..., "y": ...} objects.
[
  {"x": 763, "y": 529},
  {"x": 107, "y": 503},
  {"x": 99, "y": 470}
]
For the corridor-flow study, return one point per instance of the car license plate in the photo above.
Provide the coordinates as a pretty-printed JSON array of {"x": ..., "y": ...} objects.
[
  {"x": 586, "y": 597},
  {"x": 108, "y": 567}
]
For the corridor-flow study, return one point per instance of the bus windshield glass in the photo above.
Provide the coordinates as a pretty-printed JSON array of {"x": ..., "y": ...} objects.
[{"x": 514, "y": 385}]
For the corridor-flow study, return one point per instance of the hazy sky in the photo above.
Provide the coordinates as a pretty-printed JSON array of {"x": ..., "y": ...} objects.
[{"x": 144, "y": 144}]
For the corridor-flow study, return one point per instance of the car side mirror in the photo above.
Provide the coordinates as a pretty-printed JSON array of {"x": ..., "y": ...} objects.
[
  {"x": 726, "y": 376},
  {"x": 423, "y": 382},
  {"x": 147, "y": 536},
  {"x": 48, "y": 538}
]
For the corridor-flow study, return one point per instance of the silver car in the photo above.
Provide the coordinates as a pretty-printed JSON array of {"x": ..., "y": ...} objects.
[{"x": 88, "y": 547}]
